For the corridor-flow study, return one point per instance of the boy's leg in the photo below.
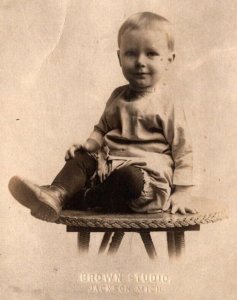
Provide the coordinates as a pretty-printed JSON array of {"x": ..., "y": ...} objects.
[
  {"x": 115, "y": 193},
  {"x": 75, "y": 173},
  {"x": 46, "y": 202}
]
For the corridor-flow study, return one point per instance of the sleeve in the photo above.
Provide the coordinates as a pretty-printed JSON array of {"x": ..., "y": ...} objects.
[
  {"x": 178, "y": 135},
  {"x": 102, "y": 127}
]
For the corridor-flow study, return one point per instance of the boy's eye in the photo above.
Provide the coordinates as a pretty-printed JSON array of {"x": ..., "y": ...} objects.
[
  {"x": 152, "y": 53},
  {"x": 130, "y": 53}
]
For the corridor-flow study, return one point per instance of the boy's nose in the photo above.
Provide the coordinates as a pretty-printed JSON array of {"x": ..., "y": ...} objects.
[{"x": 141, "y": 61}]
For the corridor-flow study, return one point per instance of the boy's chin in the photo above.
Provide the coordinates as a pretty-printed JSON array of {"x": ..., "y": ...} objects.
[{"x": 140, "y": 86}]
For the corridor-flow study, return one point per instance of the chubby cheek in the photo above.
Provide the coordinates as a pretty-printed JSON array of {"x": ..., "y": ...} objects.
[
  {"x": 127, "y": 74},
  {"x": 127, "y": 69},
  {"x": 124, "y": 70},
  {"x": 127, "y": 64}
]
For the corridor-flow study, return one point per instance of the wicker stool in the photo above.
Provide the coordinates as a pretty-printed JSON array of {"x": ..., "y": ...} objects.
[{"x": 114, "y": 226}]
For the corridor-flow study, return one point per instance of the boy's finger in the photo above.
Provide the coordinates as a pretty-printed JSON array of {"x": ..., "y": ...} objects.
[
  {"x": 71, "y": 152},
  {"x": 67, "y": 155},
  {"x": 76, "y": 147},
  {"x": 191, "y": 210},
  {"x": 182, "y": 211},
  {"x": 174, "y": 209}
]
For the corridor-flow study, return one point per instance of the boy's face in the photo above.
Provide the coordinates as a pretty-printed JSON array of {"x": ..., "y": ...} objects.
[{"x": 144, "y": 56}]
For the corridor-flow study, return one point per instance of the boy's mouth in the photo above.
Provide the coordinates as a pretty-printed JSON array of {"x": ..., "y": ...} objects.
[{"x": 140, "y": 74}]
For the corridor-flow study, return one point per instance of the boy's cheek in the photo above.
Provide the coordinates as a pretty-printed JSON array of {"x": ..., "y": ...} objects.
[{"x": 128, "y": 62}]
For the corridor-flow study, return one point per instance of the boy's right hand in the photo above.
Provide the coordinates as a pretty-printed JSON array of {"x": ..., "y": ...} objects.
[
  {"x": 71, "y": 151},
  {"x": 90, "y": 146}
]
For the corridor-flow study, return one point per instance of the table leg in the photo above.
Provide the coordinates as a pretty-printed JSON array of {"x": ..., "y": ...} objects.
[
  {"x": 148, "y": 243},
  {"x": 115, "y": 243},
  {"x": 171, "y": 244},
  {"x": 83, "y": 241},
  {"x": 176, "y": 243},
  {"x": 105, "y": 242},
  {"x": 179, "y": 242}
]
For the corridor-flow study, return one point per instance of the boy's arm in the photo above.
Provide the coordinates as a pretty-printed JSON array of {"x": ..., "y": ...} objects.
[
  {"x": 96, "y": 138},
  {"x": 178, "y": 135},
  {"x": 92, "y": 144},
  {"x": 180, "y": 200}
]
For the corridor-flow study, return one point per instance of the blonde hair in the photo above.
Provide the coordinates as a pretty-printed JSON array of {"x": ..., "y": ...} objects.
[{"x": 148, "y": 20}]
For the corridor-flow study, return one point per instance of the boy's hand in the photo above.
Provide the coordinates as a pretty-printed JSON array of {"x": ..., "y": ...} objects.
[
  {"x": 71, "y": 151},
  {"x": 90, "y": 146},
  {"x": 180, "y": 200}
]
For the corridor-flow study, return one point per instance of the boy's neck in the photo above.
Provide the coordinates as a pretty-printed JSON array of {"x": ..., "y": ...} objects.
[
  {"x": 142, "y": 90},
  {"x": 134, "y": 93}
]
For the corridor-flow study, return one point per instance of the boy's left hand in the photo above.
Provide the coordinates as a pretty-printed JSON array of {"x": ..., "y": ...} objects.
[{"x": 180, "y": 201}]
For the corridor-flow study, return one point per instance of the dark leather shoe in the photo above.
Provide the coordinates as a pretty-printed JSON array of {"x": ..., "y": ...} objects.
[{"x": 45, "y": 202}]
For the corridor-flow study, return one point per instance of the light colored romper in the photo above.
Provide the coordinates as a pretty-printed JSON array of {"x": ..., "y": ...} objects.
[{"x": 148, "y": 131}]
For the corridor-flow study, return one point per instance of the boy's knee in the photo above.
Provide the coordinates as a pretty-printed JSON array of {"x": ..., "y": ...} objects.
[
  {"x": 130, "y": 180},
  {"x": 85, "y": 161}
]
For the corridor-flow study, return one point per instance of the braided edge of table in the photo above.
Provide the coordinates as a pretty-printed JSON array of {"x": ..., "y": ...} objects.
[{"x": 170, "y": 221}]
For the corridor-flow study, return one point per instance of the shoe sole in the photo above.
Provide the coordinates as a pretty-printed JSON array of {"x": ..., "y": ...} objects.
[{"x": 32, "y": 197}]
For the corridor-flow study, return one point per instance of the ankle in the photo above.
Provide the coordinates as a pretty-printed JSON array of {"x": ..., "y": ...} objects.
[{"x": 58, "y": 193}]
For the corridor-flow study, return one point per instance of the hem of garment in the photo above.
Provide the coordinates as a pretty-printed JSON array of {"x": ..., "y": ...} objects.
[{"x": 153, "y": 191}]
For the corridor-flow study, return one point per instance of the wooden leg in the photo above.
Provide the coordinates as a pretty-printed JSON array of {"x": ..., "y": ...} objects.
[
  {"x": 176, "y": 243},
  {"x": 105, "y": 242},
  {"x": 171, "y": 244},
  {"x": 83, "y": 241},
  {"x": 148, "y": 243},
  {"x": 115, "y": 243},
  {"x": 179, "y": 243}
]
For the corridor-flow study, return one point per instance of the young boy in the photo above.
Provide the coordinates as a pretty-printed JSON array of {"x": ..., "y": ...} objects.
[{"x": 140, "y": 149}]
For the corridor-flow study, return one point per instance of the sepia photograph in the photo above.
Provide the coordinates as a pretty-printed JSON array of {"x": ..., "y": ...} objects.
[{"x": 119, "y": 149}]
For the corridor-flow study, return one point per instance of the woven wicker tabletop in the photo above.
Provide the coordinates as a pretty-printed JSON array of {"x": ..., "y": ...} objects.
[{"x": 208, "y": 211}]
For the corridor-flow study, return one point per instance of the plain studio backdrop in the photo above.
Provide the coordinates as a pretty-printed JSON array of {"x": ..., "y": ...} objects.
[{"x": 58, "y": 68}]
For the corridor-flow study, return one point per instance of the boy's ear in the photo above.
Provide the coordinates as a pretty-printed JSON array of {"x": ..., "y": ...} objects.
[{"x": 118, "y": 53}]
